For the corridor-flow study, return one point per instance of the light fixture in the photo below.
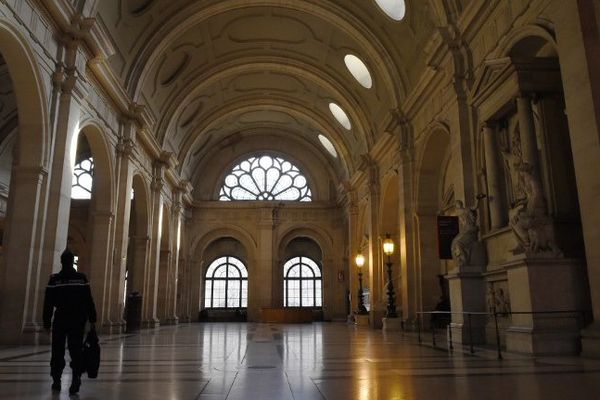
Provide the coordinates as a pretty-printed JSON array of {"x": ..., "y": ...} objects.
[
  {"x": 388, "y": 249},
  {"x": 360, "y": 261},
  {"x": 388, "y": 245}
]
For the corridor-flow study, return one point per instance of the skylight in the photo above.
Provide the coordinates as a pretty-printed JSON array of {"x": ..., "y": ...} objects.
[
  {"x": 328, "y": 145},
  {"x": 359, "y": 70},
  {"x": 395, "y": 9},
  {"x": 340, "y": 115}
]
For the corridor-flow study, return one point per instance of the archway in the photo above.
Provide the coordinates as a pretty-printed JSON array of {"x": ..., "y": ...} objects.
[
  {"x": 139, "y": 238},
  {"x": 24, "y": 159},
  {"x": 225, "y": 277},
  {"x": 91, "y": 214},
  {"x": 429, "y": 206}
]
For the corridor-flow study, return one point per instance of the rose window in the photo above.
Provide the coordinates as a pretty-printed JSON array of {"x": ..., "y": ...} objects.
[{"x": 265, "y": 178}]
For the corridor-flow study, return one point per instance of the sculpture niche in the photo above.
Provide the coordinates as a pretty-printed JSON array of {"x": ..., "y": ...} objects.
[
  {"x": 463, "y": 245},
  {"x": 528, "y": 217}
]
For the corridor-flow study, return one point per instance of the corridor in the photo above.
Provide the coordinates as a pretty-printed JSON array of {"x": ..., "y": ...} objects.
[{"x": 299, "y": 362}]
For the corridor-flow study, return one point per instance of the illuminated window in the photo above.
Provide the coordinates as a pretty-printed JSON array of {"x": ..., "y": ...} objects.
[
  {"x": 340, "y": 115},
  {"x": 226, "y": 284},
  {"x": 265, "y": 178},
  {"x": 359, "y": 70},
  {"x": 83, "y": 177},
  {"x": 395, "y": 9},
  {"x": 328, "y": 145},
  {"x": 301, "y": 283}
]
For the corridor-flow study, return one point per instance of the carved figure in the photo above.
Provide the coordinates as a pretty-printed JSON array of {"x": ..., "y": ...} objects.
[
  {"x": 529, "y": 220},
  {"x": 462, "y": 244}
]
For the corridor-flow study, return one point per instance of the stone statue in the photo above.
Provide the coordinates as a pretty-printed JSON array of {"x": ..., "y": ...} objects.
[
  {"x": 462, "y": 244},
  {"x": 528, "y": 219}
]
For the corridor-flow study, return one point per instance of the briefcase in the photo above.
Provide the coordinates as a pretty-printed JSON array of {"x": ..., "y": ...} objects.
[{"x": 91, "y": 354}]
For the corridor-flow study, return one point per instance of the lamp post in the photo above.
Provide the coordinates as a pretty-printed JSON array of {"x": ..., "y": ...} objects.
[
  {"x": 388, "y": 249},
  {"x": 360, "y": 261}
]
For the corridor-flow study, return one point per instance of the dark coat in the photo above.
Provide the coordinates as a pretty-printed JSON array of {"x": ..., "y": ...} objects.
[{"x": 69, "y": 293}]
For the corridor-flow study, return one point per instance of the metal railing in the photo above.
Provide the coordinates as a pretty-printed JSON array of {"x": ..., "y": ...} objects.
[{"x": 580, "y": 315}]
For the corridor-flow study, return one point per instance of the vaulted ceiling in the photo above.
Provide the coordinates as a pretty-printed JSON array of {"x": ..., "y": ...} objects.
[{"x": 210, "y": 70}]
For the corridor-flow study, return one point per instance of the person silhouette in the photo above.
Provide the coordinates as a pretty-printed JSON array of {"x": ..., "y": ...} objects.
[{"x": 69, "y": 298}]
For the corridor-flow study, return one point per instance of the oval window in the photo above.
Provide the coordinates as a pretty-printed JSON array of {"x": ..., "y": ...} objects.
[
  {"x": 359, "y": 70},
  {"x": 340, "y": 115},
  {"x": 395, "y": 9},
  {"x": 328, "y": 145}
]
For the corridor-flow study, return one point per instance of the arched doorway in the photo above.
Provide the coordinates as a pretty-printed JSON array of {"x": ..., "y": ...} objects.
[
  {"x": 224, "y": 288},
  {"x": 430, "y": 204},
  {"x": 139, "y": 238},
  {"x": 24, "y": 161},
  {"x": 91, "y": 214}
]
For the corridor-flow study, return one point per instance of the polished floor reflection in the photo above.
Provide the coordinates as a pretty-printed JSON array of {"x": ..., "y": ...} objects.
[{"x": 312, "y": 361}]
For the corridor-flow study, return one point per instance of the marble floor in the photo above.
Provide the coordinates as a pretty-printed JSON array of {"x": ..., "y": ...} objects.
[{"x": 299, "y": 362}]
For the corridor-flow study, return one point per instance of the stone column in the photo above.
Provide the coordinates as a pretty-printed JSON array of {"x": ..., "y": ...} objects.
[
  {"x": 260, "y": 283},
  {"x": 118, "y": 261},
  {"x": 100, "y": 229},
  {"x": 492, "y": 173},
  {"x": 164, "y": 282},
  {"x": 374, "y": 259},
  {"x": 177, "y": 218},
  {"x": 354, "y": 238},
  {"x": 527, "y": 132},
  {"x": 577, "y": 39},
  {"x": 151, "y": 275},
  {"x": 19, "y": 245}
]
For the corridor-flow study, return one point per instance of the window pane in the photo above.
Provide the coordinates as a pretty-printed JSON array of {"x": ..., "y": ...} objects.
[
  {"x": 302, "y": 283},
  {"x": 230, "y": 290},
  {"x": 233, "y": 294},
  {"x": 208, "y": 294},
  {"x": 219, "y": 294}
]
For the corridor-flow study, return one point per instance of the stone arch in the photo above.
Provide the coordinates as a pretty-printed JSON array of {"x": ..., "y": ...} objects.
[
  {"x": 321, "y": 239},
  {"x": 20, "y": 281},
  {"x": 530, "y": 40},
  {"x": 428, "y": 203},
  {"x": 96, "y": 214},
  {"x": 103, "y": 187},
  {"x": 198, "y": 247},
  {"x": 34, "y": 131}
]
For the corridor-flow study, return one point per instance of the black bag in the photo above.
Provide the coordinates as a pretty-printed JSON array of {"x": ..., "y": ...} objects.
[{"x": 91, "y": 354}]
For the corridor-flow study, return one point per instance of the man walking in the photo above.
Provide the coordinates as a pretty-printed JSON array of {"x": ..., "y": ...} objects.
[{"x": 69, "y": 298}]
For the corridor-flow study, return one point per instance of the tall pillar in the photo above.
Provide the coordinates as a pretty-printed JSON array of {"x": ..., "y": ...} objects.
[
  {"x": 99, "y": 268},
  {"x": 260, "y": 284},
  {"x": 19, "y": 245},
  {"x": 376, "y": 275},
  {"x": 527, "y": 132},
  {"x": 354, "y": 246},
  {"x": 492, "y": 172},
  {"x": 151, "y": 275},
  {"x": 118, "y": 261}
]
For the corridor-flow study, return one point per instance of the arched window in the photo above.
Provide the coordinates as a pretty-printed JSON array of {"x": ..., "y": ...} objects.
[
  {"x": 83, "y": 177},
  {"x": 226, "y": 284},
  {"x": 301, "y": 283},
  {"x": 265, "y": 178}
]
